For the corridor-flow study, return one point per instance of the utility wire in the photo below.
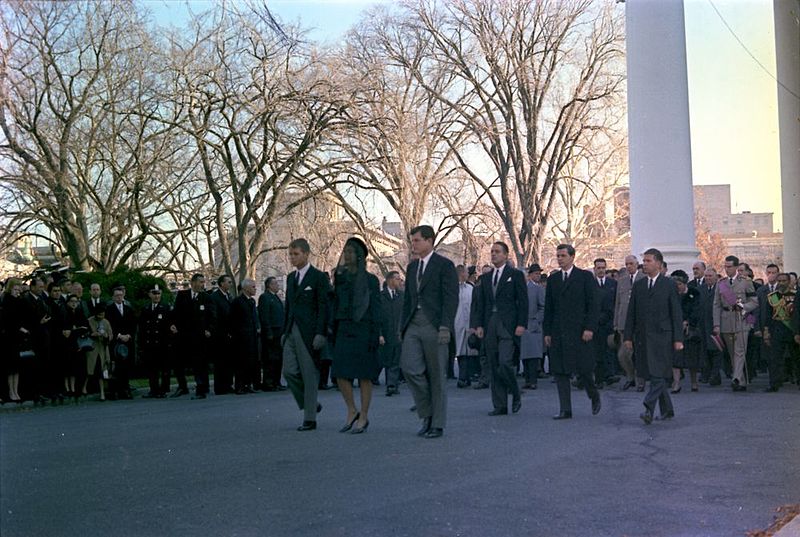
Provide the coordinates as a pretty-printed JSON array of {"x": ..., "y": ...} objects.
[{"x": 747, "y": 50}]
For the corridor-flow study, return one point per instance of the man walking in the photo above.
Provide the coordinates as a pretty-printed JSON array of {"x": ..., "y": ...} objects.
[
  {"x": 604, "y": 368},
  {"x": 654, "y": 328},
  {"x": 571, "y": 314},
  {"x": 531, "y": 345},
  {"x": 391, "y": 317},
  {"x": 271, "y": 314},
  {"x": 429, "y": 309},
  {"x": 305, "y": 330},
  {"x": 501, "y": 317},
  {"x": 779, "y": 336}
]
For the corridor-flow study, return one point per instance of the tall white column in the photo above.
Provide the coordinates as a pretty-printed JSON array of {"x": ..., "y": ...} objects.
[
  {"x": 787, "y": 55},
  {"x": 659, "y": 145}
]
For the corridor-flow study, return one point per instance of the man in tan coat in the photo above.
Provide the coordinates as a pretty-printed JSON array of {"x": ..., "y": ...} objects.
[
  {"x": 625, "y": 282},
  {"x": 734, "y": 300}
]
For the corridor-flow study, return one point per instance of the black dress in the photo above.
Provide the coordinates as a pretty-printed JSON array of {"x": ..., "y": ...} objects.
[
  {"x": 11, "y": 319},
  {"x": 691, "y": 357},
  {"x": 355, "y": 343}
]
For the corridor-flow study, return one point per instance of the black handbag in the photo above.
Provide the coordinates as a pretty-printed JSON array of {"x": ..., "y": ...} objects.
[{"x": 85, "y": 344}]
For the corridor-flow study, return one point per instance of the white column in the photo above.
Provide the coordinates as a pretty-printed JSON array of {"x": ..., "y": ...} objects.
[
  {"x": 787, "y": 55},
  {"x": 659, "y": 146}
]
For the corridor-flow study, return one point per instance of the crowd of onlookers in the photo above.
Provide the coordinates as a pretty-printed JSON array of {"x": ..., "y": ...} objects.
[{"x": 59, "y": 343}]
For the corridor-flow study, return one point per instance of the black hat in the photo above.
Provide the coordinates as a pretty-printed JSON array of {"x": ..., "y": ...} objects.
[
  {"x": 534, "y": 268},
  {"x": 471, "y": 270},
  {"x": 358, "y": 243},
  {"x": 154, "y": 289}
]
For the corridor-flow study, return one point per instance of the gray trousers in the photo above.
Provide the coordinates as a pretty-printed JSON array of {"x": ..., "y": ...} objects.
[
  {"x": 500, "y": 351},
  {"x": 658, "y": 393},
  {"x": 301, "y": 375},
  {"x": 424, "y": 364}
]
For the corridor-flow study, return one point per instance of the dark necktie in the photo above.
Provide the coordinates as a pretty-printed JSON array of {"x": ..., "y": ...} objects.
[
  {"x": 420, "y": 272},
  {"x": 564, "y": 274},
  {"x": 495, "y": 280},
  {"x": 632, "y": 277},
  {"x": 650, "y": 284},
  {"x": 730, "y": 281},
  {"x": 297, "y": 279}
]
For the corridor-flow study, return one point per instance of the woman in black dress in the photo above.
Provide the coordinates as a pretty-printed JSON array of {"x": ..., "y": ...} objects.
[
  {"x": 691, "y": 357},
  {"x": 74, "y": 327},
  {"x": 356, "y": 331}
]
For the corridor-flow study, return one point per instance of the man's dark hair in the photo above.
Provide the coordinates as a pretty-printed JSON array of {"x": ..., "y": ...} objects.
[
  {"x": 568, "y": 247},
  {"x": 268, "y": 281},
  {"x": 664, "y": 263},
  {"x": 502, "y": 245},
  {"x": 599, "y": 260},
  {"x": 793, "y": 274},
  {"x": 300, "y": 244},
  {"x": 733, "y": 259},
  {"x": 425, "y": 231},
  {"x": 223, "y": 278},
  {"x": 656, "y": 254},
  {"x": 773, "y": 265},
  {"x": 51, "y": 285},
  {"x": 392, "y": 274},
  {"x": 680, "y": 275},
  {"x": 118, "y": 288}
]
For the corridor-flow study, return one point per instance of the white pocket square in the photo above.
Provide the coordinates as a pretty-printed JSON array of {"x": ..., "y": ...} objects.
[
  {"x": 307, "y": 288},
  {"x": 509, "y": 279}
]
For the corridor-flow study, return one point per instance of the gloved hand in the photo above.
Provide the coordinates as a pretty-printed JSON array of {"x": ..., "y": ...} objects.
[
  {"x": 444, "y": 336},
  {"x": 318, "y": 342}
]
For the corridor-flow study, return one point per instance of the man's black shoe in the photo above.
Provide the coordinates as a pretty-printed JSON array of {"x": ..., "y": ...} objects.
[
  {"x": 739, "y": 388},
  {"x": 434, "y": 433},
  {"x": 426, "y": 426},
  {"x": 308, "y": 426},
  {"x": 563, "y": 416},
  {"x": 771, "y": 389},
  {"x": 647, "y": 417},
  {"x": 596, "y": 405},
  {"x": 629, "y": 384},
  {"x": 319, "y": 408},
  {"x": 668, "y": 416},
  {"x": 480, "y": 386},
  {"x": 199, "y": 396},
  {"x": 180, "y": 391},
  {"x": 516, "y": 405},
  {"x": 499, "y": 412},
  {"x": 463, "y": 384}
]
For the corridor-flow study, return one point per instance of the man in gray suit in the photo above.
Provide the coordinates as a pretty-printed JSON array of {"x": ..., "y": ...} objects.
[
  {"x": 532, "y": 343},
  {"x": 624, "y": 286},
  {"x": 734, "y": 299},
  {"x": 429, "y": 310},
  {"x": 654, "y": 326}
]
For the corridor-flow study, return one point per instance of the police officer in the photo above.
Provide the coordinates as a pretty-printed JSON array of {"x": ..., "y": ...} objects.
[{"x": 154, "y": 337}]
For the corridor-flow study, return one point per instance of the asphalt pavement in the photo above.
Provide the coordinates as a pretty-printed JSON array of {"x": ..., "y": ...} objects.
[{"x": 235, "y": 466}]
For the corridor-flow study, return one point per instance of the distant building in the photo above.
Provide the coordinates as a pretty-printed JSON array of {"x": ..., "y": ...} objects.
[{"x": 713, "y": 203}]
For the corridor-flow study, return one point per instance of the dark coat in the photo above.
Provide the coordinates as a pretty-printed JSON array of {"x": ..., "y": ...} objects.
[
  {"x": 510, "y": 300},
  {"x": 608, "y": 296},
  {"x": 154, "y": 332},
  {"x": 654, "y": 324},
  {"x": 437, "y": 295},
  {"x": 222, "y": 314},
  {"x": 391, "y": 317},
  {"x": 124, "y": 324},
  {"x": 570, "y": 308},
  {"x": 245, "y": 327},
  {"x": 307, "y": 306},
  {"x": 271, "y": 313},
  {"x": 193, "y": 317}
]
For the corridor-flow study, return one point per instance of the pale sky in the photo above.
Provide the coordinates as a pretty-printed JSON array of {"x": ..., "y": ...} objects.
[{"x": 732, "y": 90}]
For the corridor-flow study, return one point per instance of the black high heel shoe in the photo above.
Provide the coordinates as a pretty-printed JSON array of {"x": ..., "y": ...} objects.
[
  {"x": 359, "y": 430},
  {"x": 350, "y": 425}
]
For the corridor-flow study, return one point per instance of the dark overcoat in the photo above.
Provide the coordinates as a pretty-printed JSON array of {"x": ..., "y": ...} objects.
[
  {"x": 570, "y": 308},
  {"x": 654, "y": 324}
]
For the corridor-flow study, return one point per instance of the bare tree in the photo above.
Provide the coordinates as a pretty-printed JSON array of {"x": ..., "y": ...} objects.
[
  {"x": 259, "y": 109},
  {"x": 534, "y": 82},
  {"x": 84, "y": 143}
]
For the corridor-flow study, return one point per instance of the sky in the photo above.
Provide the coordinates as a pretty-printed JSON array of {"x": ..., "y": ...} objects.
[{"x": 732, "y": 88}]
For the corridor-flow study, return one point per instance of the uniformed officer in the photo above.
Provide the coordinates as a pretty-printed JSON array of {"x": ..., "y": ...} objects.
[
  {"x": 154, "y": 337},
  {"x": 776, "y": 322}
]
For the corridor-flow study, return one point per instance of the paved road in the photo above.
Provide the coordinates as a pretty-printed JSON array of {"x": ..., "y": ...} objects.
[{"x": 235, "y": 466}]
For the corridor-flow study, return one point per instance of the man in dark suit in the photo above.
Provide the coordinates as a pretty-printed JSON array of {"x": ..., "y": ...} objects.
[
  {"x": 154, "y": 336},
  {"x": 699, "y": 273},
  {"x": 271, "y": 313},
  {"x": 429, "y": 310},
  {"x": 246, "y": 331},
  {"x": 221, "y": 337},
  {"x": 779, "y": 334},
  {"x": 655, "y": 329},
  {"x": 391, "y": 317},
  {"x": 43, "y": 320},
  {"x": 500, "y": 320},
  {"x": 305, "y": 329},
  {"x": 123, "y": 326},
  {"x": 194, "y": 325},
  {"x": 604, "y": 356},
  {"x": 571, "y": 312},
  {"x": 713, "y": 364}
]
